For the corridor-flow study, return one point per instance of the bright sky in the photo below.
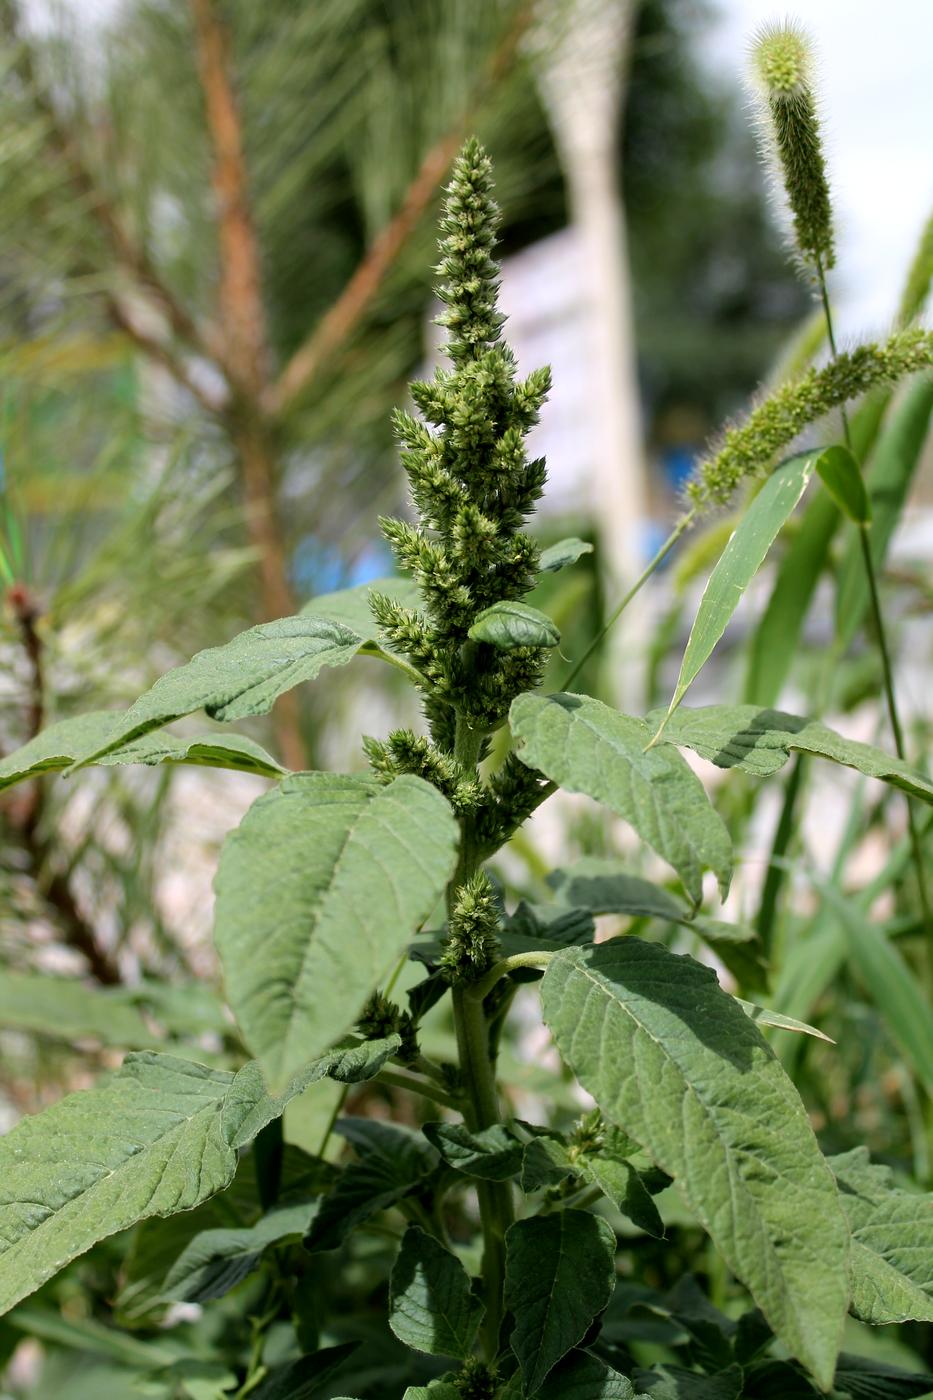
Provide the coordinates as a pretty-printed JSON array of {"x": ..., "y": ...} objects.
[{"x": 876, "y": 77}]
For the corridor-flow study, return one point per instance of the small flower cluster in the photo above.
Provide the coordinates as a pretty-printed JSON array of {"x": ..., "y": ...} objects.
[
  {"x": 381, "y": 1018},
  {"x": 748, "y": 450},
  {"x": 472, "y": 943},
  {"x": 472, "y": 483}
]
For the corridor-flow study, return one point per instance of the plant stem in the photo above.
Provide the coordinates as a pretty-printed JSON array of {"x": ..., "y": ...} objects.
[
  {"x": 887, "y": 670},
  {"x": 679, "y": 529},
  {"x": 481, "y": 989},
  {"x": 481, "y": 1104},
  {"x": 898, "y": 737}
]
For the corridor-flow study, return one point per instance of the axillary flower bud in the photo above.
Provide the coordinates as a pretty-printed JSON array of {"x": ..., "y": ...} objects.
[{"x": 782, "y": 61}]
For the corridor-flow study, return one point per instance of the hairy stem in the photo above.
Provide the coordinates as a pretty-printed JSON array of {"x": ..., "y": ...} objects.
[
  {"x": 884, "y": 653},
  {"x": 481, "y": 1103}
]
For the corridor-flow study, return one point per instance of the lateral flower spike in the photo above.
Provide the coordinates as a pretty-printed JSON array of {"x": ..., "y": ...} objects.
[
  {"x": 782, "y": 61},
  {"x": 748, "y": 449}
]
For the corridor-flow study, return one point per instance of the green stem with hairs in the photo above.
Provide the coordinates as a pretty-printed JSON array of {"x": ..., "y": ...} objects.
[
  {"x": 481, "y": 1099},
  {"x": 884, "y": 653}
]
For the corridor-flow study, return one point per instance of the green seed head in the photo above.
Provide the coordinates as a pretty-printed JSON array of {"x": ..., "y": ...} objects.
[
  {"x": 782, "y": 59},
  {"x": 790, "y": 130}
]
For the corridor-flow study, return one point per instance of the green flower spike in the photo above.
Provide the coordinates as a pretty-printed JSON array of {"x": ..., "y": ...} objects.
[{"x": 782, "y": 64}]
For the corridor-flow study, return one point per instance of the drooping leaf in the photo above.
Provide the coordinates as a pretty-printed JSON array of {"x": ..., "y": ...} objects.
[
  {"x": 583, "y": 1376},
  {"x": 493, "y": 1154},
  {"x": 245, "y": 677},
  {"x": 674, "y": 1383},
  {"x": 319, "y": 891},
  {"x": 603, "y": 887},
  {"x": 60, "y": 744},
  {"x": 302, "y": 1380},
  {"x": 431, "y": 1305},
  {"x": 620, "y": 1182},
  {"x": 392, "y": 1161},
  {"x": 564, "y": 552},
  {"x": 67, "y": 1009},
  {"x": 545, "y": 926},
  {"x": 763, "y": 1017},
  {"x": 584, "y": 746},
  {"x": 839, "y": 473},
  {"x": 674, "y": 1060},
  {"x": 893, "y": 986},
  {"x": 509, "y": 625},
  {"x": 250, "y": 1108},
  {"x": 892, "y": 1242},
  {"x": 559, "y": 1274},
  {"x": 761, "y": 741},
  {"x": 149, "y": 1141},
  {"x": 866, "y": 1379},
  {"x": 215, "y": 1261},
  {"x": 740, "y": 562}
]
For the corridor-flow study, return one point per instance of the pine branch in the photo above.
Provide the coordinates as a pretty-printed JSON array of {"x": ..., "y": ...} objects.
[
  {"x": 130, "y": 256},
  {"x": 345, "y": 314},
  {"x": 164, "y": 355}
]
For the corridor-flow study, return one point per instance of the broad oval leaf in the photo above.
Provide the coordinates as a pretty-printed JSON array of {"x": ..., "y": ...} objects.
[
  {"x": 839, "y": 472},
  {"x": 564, "y": 552},
  {"x": 740, "y": 561},
  {"x": 245, "y": 677},
  {"x": 214, "y": 1261},
  {"x": 66, "y": 1009},
  {"x": 761, "y": 741},
  {"x": 676, "y": 1383},
  {"x": 149, "y": 1141},
  {"x": 676, "y": 1063},
  {"x": 583, "y": 1376},
  {"x": 559, "y": 1276},
  {"x": 492, "y": 1154},
  {"x": 431, "y": 1304},
  {"x": 892, "y": 1242},
  {"x": 319, "y": 890},
  {"x": 509, "y": 625},
  {"x": 58, "y": 746},
  {"x": 392, "y": 1162},
  {"x": 584, "y": 746},
  {"x": 302, "y": 1379}
]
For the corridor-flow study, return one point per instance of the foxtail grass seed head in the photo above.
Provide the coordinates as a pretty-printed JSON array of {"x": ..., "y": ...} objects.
[
  {"x": 748, "y": 449},
  {"x": 919, "y": 278},
  {"x": 782, "y": 63}
]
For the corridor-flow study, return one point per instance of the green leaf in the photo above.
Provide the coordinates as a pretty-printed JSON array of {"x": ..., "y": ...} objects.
[
  {"x": 249, "y": 1108},
  {"x": 559, "y": 1275},
  {"x": 621, "y": 1184},
  {"x": 509, "y": 625},
  {"x": 245, "y": 677},
  {"x": 564, "y": 552},
  {"x": 674, "y": 1383},
  {"x": 891, "y": 983},
  {"x": 599, "y": 885},
  {"x": 866, "y": 1379},
  {"x": 70, "y": 1010},
  {"x": 763, "y": 1017},
  {"x": 319, "y": 891},
  {"x": 493, "y": 1154},
  {"x": 393, "y": 1161},
  {"x": 149, "y": 1141},
  {"x": 546, "y": 1162},
  {"x": 301, "y": 1380},
  {"x": 761, "y": 741},
  {"x": 740, "y": 562},
  {"x": 215, "y": 1261},
  {"x": 58, "y": 746},
  {"x": 890, "y": 473},
  {"x": 892, "y": 1242},
  {"x": 839, "y": 472},
  {"x": 584, "y": 746},
  {"x": 431, "y": 1306},
  {"x": 86, "y": 1334},
  {"x": 583, "y": 1376},
  {"x": 675, "y": 1061},
  {"x": 434, "y": 1390}
]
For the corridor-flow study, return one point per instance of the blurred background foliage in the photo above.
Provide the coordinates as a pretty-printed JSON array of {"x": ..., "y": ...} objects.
[{"x": 216, "y": 240}]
